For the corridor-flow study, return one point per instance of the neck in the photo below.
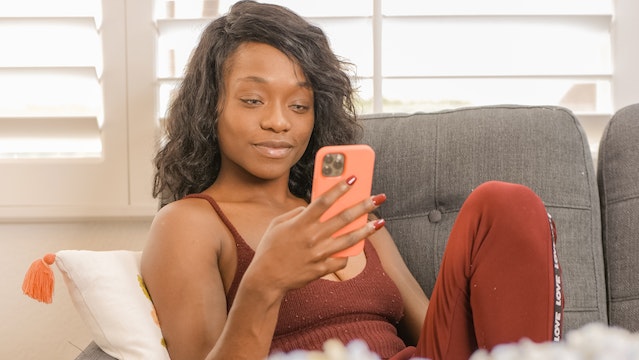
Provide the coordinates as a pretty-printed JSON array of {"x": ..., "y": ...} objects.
[{"x": 251, "y": 190}]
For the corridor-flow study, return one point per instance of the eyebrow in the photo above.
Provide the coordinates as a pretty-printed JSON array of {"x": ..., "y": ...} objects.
[
  {"x": 261, "y": 80},
  {"x": 256, "y": 79}
]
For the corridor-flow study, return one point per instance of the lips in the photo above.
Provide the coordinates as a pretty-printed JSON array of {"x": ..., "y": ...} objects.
[{"x": 275, "y": 149}]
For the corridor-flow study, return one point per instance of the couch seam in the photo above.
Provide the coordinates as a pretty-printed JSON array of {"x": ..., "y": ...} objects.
[
  {"x": 625, "y": 298},
  {"x": 623, "y": 199},
  {"x": 582, "y": 310}
]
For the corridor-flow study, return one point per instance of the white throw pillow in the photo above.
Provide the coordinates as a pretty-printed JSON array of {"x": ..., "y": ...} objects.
[{"x": 108, "y": 292}]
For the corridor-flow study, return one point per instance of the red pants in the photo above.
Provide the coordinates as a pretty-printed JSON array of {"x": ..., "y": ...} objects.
[{"x": 499, "y": 280}]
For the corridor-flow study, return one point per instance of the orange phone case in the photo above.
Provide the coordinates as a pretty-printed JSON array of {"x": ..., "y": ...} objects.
[{"x": 359, "y": 160}]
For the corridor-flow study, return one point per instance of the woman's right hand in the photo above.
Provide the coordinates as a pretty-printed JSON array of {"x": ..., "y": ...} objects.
[{"x": 297, "y": 247}]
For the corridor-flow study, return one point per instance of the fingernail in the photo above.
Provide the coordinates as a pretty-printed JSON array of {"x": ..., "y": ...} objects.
[
  {"x": 379, "y": 199},
  {"x": 379, "y": 223},
  {"x": 351, "y": 180}
]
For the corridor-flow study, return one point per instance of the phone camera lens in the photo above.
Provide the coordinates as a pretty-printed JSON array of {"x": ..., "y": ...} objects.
[
  {"x": 327, "y": 170},
  {"x": 328, "y": 159},
  {"x": 333, "y": 164}
]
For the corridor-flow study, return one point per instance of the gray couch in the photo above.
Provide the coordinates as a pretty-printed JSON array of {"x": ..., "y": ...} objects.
[{"x": 428, "y": 163}]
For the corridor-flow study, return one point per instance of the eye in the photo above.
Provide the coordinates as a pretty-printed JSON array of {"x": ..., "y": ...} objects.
[
  {"x": 299, "y": 108},
  {"x": 251, "y": 101}
]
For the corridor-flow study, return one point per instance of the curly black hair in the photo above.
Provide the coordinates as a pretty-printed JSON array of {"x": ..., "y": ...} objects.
[{"x": 189, "y": 159}]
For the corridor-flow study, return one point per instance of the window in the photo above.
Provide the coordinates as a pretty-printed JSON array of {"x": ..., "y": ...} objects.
[
  {"x": 468, "y": 53},
  {"x": 65, "y": 136},
  {"x": 433, "y": 55},
  {"x": 50, "y": 80},
  {"x": 84, "y": 83}
]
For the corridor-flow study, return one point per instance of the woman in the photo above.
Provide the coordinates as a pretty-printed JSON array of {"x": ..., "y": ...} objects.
[{"x": 240, "y": 265}]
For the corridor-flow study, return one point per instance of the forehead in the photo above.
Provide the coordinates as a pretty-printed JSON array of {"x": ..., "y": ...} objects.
[{"x": 262, "y": 60}]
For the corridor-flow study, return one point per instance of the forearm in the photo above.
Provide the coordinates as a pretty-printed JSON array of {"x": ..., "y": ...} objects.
[{"x": 250, "y": 324}]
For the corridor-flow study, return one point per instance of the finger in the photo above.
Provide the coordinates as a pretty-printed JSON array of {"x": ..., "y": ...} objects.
[
  {"x": 333, "y": 264},
  {"x": 348, "y": 215},
  {"x": 317, "y": 207},
  {"x": 343, "y": 242}
]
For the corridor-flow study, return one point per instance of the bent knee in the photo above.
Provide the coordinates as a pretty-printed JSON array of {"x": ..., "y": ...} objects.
[
  {"x": 504, "y": 195},
  {"x": 502, "y": 188}
]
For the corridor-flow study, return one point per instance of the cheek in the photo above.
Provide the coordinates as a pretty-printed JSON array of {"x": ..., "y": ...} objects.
[
  {"x": 230, "y": 124},
  {"x": 220, "y": 129},
  {"x": 305, "y": 132},
  {"x": 308, "y": 125},
  {"x": 226, "y": 132}
]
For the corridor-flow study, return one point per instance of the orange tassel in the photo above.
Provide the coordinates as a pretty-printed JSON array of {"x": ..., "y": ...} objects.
[{"x": 39, "y": 280}]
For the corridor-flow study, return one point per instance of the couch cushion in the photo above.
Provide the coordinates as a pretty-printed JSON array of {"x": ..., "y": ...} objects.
[
  {"x": 428, "y": 163},
  {"x": 618, "y": 179}
]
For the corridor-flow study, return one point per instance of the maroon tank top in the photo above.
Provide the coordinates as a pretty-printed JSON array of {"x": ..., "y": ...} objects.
[{"x": 366, "y": 307}]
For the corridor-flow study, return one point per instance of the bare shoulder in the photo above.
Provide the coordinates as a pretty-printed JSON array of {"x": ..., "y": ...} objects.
[
  {"x": 191, "y": 211},
  {"x": 184, "y": 228}
]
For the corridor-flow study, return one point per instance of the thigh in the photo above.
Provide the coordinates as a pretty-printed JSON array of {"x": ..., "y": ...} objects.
[{"x": 497, "y": 279}]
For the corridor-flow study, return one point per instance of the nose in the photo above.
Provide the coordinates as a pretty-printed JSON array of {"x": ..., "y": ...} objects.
[{"x": 275, "y": 119}]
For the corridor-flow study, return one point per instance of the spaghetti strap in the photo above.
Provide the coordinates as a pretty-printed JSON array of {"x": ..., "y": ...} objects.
[
  {"x": 236, "y": 235},
  {"x": 244, "y": 254}
]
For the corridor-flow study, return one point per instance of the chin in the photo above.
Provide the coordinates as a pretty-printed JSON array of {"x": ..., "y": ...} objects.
[{"x": 271, "y": 174}]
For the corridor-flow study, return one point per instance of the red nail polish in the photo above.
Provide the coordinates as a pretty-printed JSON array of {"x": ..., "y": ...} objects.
[
  {"x": 379, "y": 223},
  {"x": 351, "y": 180},
  {"x": 379, "y": 199}
]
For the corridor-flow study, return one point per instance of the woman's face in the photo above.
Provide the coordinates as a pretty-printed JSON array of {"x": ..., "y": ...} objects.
[{"x": 267, "y": 113}]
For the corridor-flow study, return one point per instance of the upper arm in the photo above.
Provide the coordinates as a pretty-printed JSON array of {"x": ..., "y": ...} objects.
[
  {"x": 415, "y": 301},
  {"x": 180, "y": 269}
]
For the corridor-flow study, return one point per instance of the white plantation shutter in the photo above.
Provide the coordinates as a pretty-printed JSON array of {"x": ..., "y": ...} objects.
[
  {"x": 50, "y": 69},
  {"x": 64, "y": 132},
  {"x": 432, "y": 55},
  {"x": 84, "y": 84},
  {"x": 468, "y": 53}
]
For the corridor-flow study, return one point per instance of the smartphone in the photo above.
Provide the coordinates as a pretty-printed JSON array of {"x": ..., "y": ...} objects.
[{"x": 337, "y": 163}]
